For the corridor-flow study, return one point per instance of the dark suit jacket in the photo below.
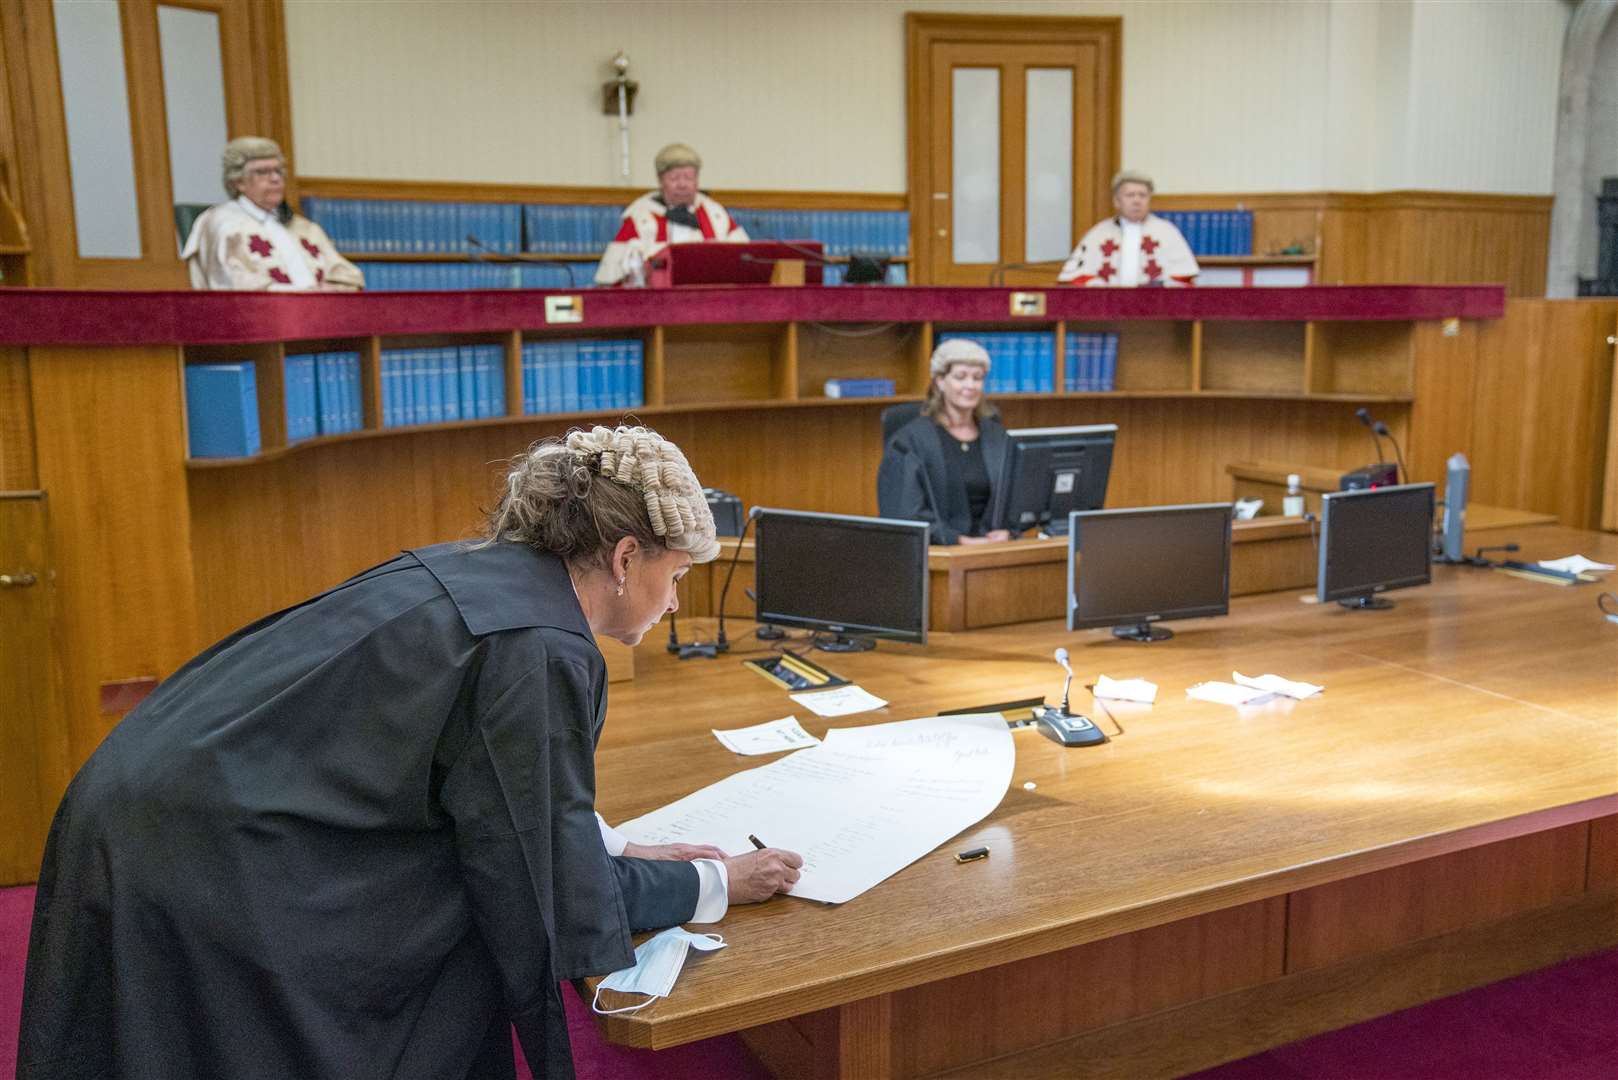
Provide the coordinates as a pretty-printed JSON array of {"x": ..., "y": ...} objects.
[
  {"x": 919, "y": 482},
  {"x": 354, "y": 836}
]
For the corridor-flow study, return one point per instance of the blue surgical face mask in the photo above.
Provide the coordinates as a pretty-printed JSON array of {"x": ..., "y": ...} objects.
[{"x": 658, "y": 961}]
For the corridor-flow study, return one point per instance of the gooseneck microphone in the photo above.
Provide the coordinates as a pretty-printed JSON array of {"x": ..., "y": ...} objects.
[
  {"x": 1379, "y": 428},
  {"x": 483, "y": 253},
  {"x": 1061, "y": 658},
  {"x": 720, "y": 642},
  {"x": 1364, "y": 416}
]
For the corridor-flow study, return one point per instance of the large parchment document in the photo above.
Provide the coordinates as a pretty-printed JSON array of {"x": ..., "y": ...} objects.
[{"x": 861, "y": 806}]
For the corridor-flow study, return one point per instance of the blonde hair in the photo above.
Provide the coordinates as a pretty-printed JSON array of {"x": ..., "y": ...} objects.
[
  {"x": 553, "y": 501},
  {"x": 238, "y": 152}
]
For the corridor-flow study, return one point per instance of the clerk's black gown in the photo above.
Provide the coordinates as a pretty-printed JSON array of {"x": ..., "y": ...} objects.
[{"x": 355, "y": 839}]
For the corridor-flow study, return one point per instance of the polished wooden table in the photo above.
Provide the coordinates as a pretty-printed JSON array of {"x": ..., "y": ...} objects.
[{"x": 1211, "y": 882}]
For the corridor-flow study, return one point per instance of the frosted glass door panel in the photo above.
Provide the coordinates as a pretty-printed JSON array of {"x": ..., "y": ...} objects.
[
  {"x": 975, "y": 131},
  {"x": 1049, "y": 164},
  {"x": 95, "y": 99},
  {"x": 194, "y": 100}
]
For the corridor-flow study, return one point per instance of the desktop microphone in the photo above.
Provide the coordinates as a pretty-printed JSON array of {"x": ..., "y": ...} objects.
[
  {"x": 1479, "y": 560},
  {"x": 520, "y": 256},
  {"x": 1061, "y": 658},
  {"x": 1364, "y": 416},
  {"x": 1379, "y": 428}
]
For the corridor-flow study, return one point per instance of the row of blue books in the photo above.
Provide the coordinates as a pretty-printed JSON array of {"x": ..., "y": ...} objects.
[
  {"x": 1019, "y": 362},
  {"x": 401, "y": 277},
  {"x": 428, "y": 276},
  {"x": 322, "y": 392},
  {"x": 1092, "y": 360},
  {"x": 221, "y": 410},
  {"x": 850, "y": 388},
  {"x": 1213, "y": 232},
  {"x": 435, "y": 386},
  {"x": 407, "y": 227},
  {"x": 582, "y": 376}
]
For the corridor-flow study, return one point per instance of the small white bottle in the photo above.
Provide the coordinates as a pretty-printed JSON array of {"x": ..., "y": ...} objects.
[
  {"x": 1292, "y": 503},
  {"x": 635, "y": 269}
]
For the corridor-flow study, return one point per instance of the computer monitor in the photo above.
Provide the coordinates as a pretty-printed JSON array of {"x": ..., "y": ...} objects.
[
  {"x": 855, "y": 578},
  {"x": 1050, "y": 472},
  {"x": 1374, "y": 540},
  {"x": 1131, "y": 569}
]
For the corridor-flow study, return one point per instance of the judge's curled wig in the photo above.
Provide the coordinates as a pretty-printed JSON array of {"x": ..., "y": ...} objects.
[{"x": 576, "y": 497}]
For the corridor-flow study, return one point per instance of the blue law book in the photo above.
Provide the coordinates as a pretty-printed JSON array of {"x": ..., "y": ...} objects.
[
  {"x": 328, "y": 393},
  {"x": 590, "y": 372},
  {"x": 551, "y": 391},
  {"x": 221, "y": 407},
  {"x": 1045, "y": 375},
  {"x": 415, "y": 388},
  {"x": 350, "y": 410},
  {"x": 567, "y": 361},
  {"x": 852, "y": 388},
  {"x": 494, "y": 362},
  {"x": 530, "y": 378},
  {"x": 449, "y": 381},
  {"x": 390, "y": 384},
  {"x": 637, "y": 374},
  {"x": 298, "y": 394},
  {"x": 1109, "y": 362}
]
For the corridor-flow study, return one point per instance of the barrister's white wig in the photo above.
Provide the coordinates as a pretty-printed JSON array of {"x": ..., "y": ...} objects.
[
  {"x": 238, "y": 152},
  {"x": 1131, "y": 176}
]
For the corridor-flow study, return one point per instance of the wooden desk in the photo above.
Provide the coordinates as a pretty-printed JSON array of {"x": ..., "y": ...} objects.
[
  {"x": 1211, "y": 882},
  {"x": 971, "y": 586}
]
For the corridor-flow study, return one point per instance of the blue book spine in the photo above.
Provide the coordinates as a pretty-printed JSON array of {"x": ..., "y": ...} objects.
[
  {"x": 432, "y": 376},
  {"x": 494, "y": 361},
  {"x": 1109, "y": 362},
  {"x": 221, "y": 402},
  {"x": 415, "y": 399},
  {"x": 551, "y": 391},
  {"x": 390, "y": 379},
  {"x": 637, "y": 374},
  {"x": 568, "y": 352},
  {"x": 352, "y": 399},
  {"x": 449, "y": 380},
  {"x": 328, "y": 393},
  {"x": 530, "y": 378},
  {"x": 1045, "y": 382}
]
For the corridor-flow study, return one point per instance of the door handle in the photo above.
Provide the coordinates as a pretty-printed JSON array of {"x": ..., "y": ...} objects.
[{"x": 17, "y": 581}]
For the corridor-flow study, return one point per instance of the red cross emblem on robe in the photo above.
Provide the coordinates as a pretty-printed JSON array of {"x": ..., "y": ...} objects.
[
  {"x": 320, "y": 277},
  {"x": 279, "y": 276},
  {"x": 1108, "y": 246},
  {"x": 1147, "y": 244},
  {"x": 259, "y": 246},
  {"x": 1106, "y": 271},
  {"x": 314, "y": 252},
  {"x": 1153, "y": 271}
]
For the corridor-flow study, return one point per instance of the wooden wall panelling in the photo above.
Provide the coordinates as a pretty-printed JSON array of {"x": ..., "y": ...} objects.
[
  {"x": 1441, "y": 419},
  {"x": 1568, "y": 436},
  {"x": 112, "y": 461},
  {"x": 34, "y": 752},
  {"x": 1329, "y": 924},
  {"x": 18, "y": 469},
  {"x": 1262, "y": 356}
]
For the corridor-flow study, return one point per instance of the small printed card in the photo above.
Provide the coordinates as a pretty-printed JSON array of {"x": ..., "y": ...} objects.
[
  {"x": 839, "y": 702},
  {"x": 1126, "y": 690},
  {"x": 768, "y": 738},
  {"x": 1274, "y": 684}
]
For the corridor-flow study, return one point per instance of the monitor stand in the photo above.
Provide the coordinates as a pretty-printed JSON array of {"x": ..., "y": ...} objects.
[
  {"x": 1142, "y": 632},
  {"x": 1368, "y": 602},
  {"x": 839, "y": 643}
]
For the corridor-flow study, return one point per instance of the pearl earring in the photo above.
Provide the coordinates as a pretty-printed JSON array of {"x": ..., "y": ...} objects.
[{"x": 620, "y": 586}]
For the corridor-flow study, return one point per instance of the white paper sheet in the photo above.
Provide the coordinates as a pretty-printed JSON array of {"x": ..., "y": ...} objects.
[
  {"x": 1274, "y": 684},
  {"x": 838, "y": 702},
  {"x": 1224, "y": 693},
  {"x": 767, "y": 738},
  {"x": 859, "y": 807},
  {"x": 1126, "y": 690},
  {"x": 1575, "y": 564}
]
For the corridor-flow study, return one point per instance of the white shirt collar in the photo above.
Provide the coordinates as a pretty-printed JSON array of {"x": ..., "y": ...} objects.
[{"x": 254, "y": 210}]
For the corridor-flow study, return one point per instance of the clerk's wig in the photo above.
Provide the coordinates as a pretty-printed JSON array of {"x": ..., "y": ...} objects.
[
  {"x": 238, "y": 152},
  {"x": 576, "y": 497}
]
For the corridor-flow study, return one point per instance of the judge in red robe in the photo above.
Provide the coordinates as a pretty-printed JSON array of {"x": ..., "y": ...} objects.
[{"x": 676, "y": 213}]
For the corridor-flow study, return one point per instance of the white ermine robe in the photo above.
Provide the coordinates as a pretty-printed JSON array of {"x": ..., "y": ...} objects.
[
  {"x": 1119, "y": 252},
  {"x": 646, "y": 229},
  {"x": 240, "y": 245}
]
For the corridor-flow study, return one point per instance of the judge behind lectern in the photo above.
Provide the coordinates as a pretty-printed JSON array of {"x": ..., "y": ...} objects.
[
  {"x": 355, "y": 837},
  {"x": 940, "y": 467},
  {"x": 255, "y": 242},
  {"x": 676, "y": 213},
  {"x": 1133, "y": 247}
]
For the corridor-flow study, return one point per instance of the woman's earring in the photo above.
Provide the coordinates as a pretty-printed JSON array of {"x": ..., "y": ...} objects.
[{"x": 620, "y": 586}]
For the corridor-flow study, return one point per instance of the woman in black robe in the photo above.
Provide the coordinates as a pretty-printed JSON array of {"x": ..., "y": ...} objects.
[{"x": 356, "y": 838}]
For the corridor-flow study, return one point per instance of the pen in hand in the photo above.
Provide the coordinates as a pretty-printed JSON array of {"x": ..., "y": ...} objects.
[{"x": 756, "y": 842}]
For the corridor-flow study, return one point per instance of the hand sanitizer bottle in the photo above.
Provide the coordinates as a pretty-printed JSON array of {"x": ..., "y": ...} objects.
[{"x": 1292, "y": 504}]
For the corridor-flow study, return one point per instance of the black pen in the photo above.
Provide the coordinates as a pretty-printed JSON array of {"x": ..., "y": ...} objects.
[{"x": 756, "y": 841}]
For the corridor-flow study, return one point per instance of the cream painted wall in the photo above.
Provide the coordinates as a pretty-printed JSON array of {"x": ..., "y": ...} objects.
[{"x": 1218, "y": 95}]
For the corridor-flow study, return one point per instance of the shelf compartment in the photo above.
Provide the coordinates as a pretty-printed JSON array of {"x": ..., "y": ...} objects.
[
  {"x": 1254, "y": 356},
  {"x": 724, "y": 364},
  {"x": 860, "y": 351},
  {"x": 1151, "y": 355},
  {"x": 1361, "y": 358}
]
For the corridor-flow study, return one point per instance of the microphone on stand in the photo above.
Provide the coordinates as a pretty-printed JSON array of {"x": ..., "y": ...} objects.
[
  {"x": 1379, "y": 428},
  {"x": 1364, "y": 416},
  {"x": 1060, "y": 725},
  {"x": 1061, "y": 658}
]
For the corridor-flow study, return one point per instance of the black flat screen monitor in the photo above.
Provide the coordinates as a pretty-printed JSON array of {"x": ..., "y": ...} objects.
[
  {"x": 1130, "y": 569},
  {"x": 854, "y": 578},
  {"x": 1050, "y": 472},
  {"x": 1374, "y": 540}
]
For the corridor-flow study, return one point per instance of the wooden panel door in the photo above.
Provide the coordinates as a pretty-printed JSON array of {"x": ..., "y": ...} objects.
[
  {"x": 1013, "y": 141},
  {"x": 33, "y": 740}
]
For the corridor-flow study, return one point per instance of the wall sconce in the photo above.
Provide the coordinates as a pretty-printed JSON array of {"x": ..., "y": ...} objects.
[{"x": 618, "y": 98}]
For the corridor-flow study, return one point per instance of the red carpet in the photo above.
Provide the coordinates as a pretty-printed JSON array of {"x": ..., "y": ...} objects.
[{"x": 1556, "y": 1024}]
